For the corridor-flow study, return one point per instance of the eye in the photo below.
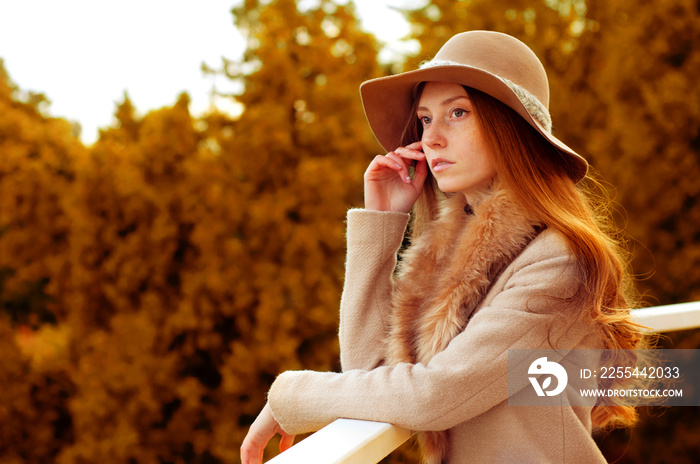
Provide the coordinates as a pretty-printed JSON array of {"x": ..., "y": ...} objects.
[
  {"x": 458, "y": 112},
  {"x": 425, "y": 120}
]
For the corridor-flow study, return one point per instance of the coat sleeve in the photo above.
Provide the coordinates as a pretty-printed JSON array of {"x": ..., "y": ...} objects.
[
  {"x": 466, "y": 379},
  {"x": 373, "y": 238}
]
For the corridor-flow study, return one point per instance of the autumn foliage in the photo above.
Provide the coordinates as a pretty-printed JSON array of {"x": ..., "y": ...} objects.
[{"x": 152, "y": 285}]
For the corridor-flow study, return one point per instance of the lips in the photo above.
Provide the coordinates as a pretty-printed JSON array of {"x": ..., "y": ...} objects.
[{"x": 440, "y": 164}]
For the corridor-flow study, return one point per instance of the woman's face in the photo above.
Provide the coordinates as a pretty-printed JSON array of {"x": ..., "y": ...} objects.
[{"x": 456, "y": 150}]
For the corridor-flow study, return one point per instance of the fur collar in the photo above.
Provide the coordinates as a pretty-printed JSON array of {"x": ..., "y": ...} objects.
[{"x": 444, "y": 276}]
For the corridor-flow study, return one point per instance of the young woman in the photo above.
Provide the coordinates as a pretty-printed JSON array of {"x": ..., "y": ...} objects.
[{"x": 507, "y": 251}]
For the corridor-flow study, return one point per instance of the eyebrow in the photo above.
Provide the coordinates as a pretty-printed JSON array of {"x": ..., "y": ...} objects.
[{"x": 446, "y": 102}]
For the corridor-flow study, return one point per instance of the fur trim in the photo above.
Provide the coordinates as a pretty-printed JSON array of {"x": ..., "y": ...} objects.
[{"x": 444, "y": 276}]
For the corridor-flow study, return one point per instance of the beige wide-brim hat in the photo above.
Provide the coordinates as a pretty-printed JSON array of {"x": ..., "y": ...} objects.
[{"x": 494, "y": 63}]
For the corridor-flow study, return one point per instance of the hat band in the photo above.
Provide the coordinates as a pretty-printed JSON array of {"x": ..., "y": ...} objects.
[{"x": 531, "y": 103}]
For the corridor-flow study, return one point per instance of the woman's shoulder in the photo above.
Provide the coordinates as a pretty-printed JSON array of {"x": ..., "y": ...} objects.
[
  {"x": 546, "y": 267},
  {"x": 548, "y": 244},
  {"x": 546, "y": 258}
]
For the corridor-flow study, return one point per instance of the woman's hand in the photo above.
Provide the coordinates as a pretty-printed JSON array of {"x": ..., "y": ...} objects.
[
  {"x": 263, "y": 429},
  {"x": 388, "y": 186}
]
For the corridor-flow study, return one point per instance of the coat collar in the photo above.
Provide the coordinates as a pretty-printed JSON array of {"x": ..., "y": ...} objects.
[{"x": 447, "y": 272}]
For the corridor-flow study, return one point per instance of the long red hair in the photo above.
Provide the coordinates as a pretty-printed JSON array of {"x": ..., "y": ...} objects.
[{"x": 537, "y": 175}]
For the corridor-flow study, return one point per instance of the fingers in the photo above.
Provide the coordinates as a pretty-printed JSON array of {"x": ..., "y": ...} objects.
[
  {"x": 286, "y": 442},
  {"x": 421, "y": 173},
  {"x": 386, "y": 167},
  {"x": 402, "y": 157},
  {"x": 388, "y": 184},
  {"x": 411, "y": 157},
  {"x": 261, "y": 431},
  {"x": 253, "y": 448},
  {"x": 389, "y": 161},
  {"x": 409, "y": 154},
  {"x": 402, "y": 170},
  {"x": 416, "y": 146},
  {"x": 252, "y": 453}
]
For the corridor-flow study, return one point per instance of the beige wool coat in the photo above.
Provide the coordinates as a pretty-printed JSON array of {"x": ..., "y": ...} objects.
[{"x": 462, "y": 389}]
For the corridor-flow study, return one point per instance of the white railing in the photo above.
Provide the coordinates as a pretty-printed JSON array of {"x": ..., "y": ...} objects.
[
  {"x": 669, "y": 318},
  {"x": 347, "y": 441}
]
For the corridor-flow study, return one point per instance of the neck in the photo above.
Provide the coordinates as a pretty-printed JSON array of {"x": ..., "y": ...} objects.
[{"x": 475, "y": 197}]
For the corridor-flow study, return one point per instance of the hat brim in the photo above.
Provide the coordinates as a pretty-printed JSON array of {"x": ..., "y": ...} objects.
[{"x": 388, "y": 101}]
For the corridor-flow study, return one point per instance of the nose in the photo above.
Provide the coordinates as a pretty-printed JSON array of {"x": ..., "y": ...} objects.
[{"x": 433, "y": 135}]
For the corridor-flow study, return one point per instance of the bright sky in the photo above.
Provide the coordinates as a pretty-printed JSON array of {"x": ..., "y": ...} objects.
[{"x": 83, "y": 54}]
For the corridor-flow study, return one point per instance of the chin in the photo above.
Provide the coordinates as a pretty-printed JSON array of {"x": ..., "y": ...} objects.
[{"x": 449, "y": 188}]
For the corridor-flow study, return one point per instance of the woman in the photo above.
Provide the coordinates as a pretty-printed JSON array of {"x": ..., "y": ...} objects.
[{"x": 506, "y": 252}]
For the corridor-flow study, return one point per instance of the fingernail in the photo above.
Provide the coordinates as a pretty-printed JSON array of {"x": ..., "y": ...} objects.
[{"x": 398, "y": 166}]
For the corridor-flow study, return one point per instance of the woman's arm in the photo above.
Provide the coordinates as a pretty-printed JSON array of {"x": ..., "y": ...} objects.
[
  {"x": 465, "y": 380},
  {"x": 261, "y": 431},
  {"x": 374, "y": 236},
  {"x": 373, "y": 240}
]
